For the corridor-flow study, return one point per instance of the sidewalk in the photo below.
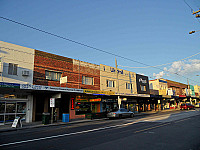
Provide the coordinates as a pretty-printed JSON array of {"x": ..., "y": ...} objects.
[{"x": 7, "y": 127}]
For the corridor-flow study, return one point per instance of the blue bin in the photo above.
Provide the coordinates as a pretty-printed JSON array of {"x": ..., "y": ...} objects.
[{"x": 65, "y": 118}]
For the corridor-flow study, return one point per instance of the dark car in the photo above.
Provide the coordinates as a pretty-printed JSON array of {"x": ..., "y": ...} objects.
[
  {"x": 122, "y": 112},
  {"x": 187, "y": 106}
]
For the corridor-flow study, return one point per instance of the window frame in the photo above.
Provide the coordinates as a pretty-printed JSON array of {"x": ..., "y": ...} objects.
[
  {"x": 52, "y": 75},
  {"x": 12, "y": 69},
  {"x": 110, "y": 82},
  {"x": 129, "y": 86},
  {"x": 86, "y": 80}
]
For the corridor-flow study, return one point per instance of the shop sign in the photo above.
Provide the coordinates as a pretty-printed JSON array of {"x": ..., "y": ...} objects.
[
  {"x": 72, "y": 103},
  {"x": 81, "y": 99},
  {"x": 9, "y": 85},
  {"x": 49, "y": 88},
  {"x": 182, "y": 95},
  {"x": 166, "y": 96},
  {"x": 98, "y": 92},
  {"x": 95, "y": 100}
]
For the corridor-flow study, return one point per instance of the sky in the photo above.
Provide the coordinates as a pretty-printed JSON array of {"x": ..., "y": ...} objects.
[{"x": 138, "y": 33}]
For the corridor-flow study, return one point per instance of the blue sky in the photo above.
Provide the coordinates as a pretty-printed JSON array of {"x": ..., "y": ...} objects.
[{"x": 152, "y": 32}]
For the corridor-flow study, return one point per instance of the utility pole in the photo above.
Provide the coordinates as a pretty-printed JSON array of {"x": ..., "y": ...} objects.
[{"x": 119, "y": 100}]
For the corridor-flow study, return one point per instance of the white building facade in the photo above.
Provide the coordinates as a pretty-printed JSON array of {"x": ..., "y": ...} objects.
[{"x": 16, "y": 67}]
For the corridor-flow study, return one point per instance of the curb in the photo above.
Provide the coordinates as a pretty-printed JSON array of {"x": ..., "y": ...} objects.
[{"x": 74, "y": 122}]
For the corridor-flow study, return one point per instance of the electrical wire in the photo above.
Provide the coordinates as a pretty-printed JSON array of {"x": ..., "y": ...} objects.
[
  {"x": 85, "y": 45},
  {"x": 162, "y": 64}
]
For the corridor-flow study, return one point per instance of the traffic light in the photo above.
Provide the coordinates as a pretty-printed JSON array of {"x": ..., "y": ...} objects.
[
  {"x": 191, "y": 32},
  {"x": 197, "y": 15}
]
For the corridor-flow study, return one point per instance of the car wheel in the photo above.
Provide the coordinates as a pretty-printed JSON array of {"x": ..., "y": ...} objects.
[
  {"x": 132, "y": 115},
  {"x": 188, "y": 108},
  {"x": 120, "y": 116}
]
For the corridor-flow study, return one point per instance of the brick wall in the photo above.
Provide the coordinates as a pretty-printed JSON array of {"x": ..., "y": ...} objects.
[
  {"x": 73, "y": 69},
  {"x": 178, "y": 87}
]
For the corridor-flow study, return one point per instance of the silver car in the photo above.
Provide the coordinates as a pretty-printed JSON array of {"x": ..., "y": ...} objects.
[{"x": 122, "y": 112}]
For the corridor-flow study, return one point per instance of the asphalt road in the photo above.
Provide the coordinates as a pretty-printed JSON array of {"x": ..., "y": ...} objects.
[{"x": 172, "y": 130}]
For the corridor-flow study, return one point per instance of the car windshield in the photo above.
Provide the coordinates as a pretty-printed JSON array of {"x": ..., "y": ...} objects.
[{"x": 123, "y": 110}]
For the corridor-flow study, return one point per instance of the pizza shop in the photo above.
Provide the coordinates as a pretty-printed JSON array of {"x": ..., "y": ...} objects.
[{"x": 87, "y": 104}]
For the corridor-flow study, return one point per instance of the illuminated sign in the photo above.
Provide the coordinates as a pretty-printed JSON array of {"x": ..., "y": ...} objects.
[
  {"x": 95, "y": 100},
  {"x": 72, "y": 103}
]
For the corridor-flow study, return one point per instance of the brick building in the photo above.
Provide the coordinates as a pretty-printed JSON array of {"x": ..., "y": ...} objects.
[{"x": 48, "y": 69}]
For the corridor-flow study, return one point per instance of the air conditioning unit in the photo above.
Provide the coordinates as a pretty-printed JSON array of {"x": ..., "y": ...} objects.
[
  {"x": 48, "y": 77},
  {"x": 25, "y": 73}
]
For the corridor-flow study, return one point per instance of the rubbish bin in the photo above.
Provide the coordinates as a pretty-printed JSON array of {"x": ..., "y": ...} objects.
[
  {"x": 65, "y": 117},
  {"x": 45, "y": 118}
]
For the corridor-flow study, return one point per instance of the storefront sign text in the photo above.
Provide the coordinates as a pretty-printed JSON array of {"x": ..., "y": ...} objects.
[{"x": 49, "y": 88}]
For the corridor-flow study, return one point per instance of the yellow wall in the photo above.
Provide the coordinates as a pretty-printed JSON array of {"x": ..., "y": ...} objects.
[
  {"x": 23, "y": 57},
  {"x": 109, "y": 73},
  {"x": 197, "y": 89},
  {"x": 162, "y": 87}
]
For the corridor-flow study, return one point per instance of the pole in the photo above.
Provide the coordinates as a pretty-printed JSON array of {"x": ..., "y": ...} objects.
[
  {"x": 119, "y": 100},
  {"x": 51, "y": 115}
]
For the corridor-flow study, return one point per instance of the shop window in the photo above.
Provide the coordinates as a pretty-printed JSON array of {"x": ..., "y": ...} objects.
[
  {"x": 51, "y": 75},
  {"x": 2, "y": 107},
  {"x": 87, "y": 80},
  {"x": 21, "y": 107},
  {"x": 12, "y": 69},
  {"x": 83, "y": 108},
  {"x": 1, "y": 118},
  {"x": 128, "y": 86},
  {"x": 143, "y": 88},
  {"x": 10, "y": 107},
  {"x": 9, "y": 118},
  {"x": 110, "y": 83}
]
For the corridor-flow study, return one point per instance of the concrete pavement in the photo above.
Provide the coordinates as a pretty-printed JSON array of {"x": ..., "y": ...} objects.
[{"x": 38, "y": 124}]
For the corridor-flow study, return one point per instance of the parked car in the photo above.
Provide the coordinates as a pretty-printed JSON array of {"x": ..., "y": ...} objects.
[
  {"x": 197, "y": 105},
  {"x": 122, "y": 112},
  {"x": 186, "y": 106}
]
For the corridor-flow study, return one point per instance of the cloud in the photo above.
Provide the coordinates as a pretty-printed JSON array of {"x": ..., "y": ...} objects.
[
  {"x": 159, "y": 75},
  {"x": 188, "y": 67}
]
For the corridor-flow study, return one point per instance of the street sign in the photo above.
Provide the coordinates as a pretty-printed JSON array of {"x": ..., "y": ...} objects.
[
  {"x": 16, "y": 122},
  {"x": 52, "y": 102}
]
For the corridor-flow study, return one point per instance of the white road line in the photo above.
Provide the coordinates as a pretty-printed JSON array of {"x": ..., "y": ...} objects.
[
  {"x": 62, "y": 135},
  {"x": 81, "y": 132}
]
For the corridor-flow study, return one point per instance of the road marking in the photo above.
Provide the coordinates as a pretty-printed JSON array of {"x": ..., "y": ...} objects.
[
  {"x": 152, "y": 128},
  {"x": 182, "y": 120},
  {"x": 91, "y": 130},
  {"x": 67, "y": 134}
]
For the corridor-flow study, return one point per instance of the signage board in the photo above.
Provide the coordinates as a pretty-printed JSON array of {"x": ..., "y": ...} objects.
[
  {"x": 63, "y": 80},
  {"x": 72, "y": 103},
  {"x": 52, "y": 102},
  {"x": 9, "y": 85},
  {"x": 95, "y": 100},
  {"x": 15, "y": 122},
  {"x": 49, "y": 88}
]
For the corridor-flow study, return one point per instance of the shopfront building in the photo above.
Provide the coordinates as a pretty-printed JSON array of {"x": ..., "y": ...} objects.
[{"x": 14, "y": 103}]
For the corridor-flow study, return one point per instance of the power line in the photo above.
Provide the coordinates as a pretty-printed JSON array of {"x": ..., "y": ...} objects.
[
  {"x": 82, "y": 44},
  {"x": 192, "y": 10},
  {"x": 163, "y": 64}
]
